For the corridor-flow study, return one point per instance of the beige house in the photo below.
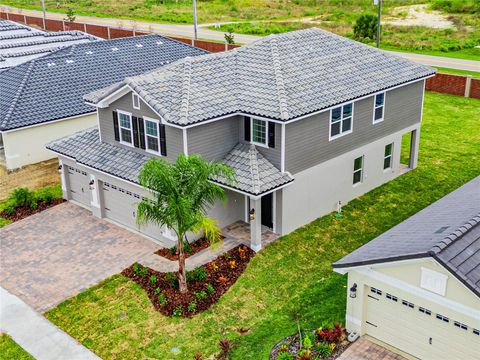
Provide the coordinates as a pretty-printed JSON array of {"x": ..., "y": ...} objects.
[{"x": 417, "y": 286}]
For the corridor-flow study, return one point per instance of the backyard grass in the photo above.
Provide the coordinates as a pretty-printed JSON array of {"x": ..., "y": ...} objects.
[
  {"x": 10, "y": 350},
  {"x": 443, "y": 70},
  {"x": 291, "y": 281}
]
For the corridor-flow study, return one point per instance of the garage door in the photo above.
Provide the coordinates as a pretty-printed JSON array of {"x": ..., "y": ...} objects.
[
  {"x": 417, "y": 330},
  {"x": 78, "y": 184},
  {"x": 121, "y": 206}
]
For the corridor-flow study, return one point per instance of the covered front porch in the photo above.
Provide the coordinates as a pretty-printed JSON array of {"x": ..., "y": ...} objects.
[{"x": 240, "y": 233}]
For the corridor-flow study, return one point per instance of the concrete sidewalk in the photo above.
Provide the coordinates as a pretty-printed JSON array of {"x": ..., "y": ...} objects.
[{"x": 35, "y": 334}]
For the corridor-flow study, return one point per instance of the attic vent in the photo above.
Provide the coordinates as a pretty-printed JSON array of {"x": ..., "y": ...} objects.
[
  {"x": 159, "y": 43},
  {"x": 89, "y": 52},
  {"x": 114, "y": 49},
  {"x": 69, "y": 61},
  {"x": 50, "y": 64},
  {"x": 442, "y": 229},
  {"x": 139, "y": 45}
]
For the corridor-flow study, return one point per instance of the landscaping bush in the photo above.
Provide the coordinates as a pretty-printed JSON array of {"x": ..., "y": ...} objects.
[
  {"x": 365, "y": 27},
  {"x": 23, "y": 197}
]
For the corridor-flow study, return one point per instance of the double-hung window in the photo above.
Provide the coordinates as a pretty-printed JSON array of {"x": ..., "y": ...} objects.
[
  {"x": 387, "y": 157},
  {"x": 341, "y": 120},
  {"x": 152, "y": 142},
  {"x": 378, "y": 108},
  {"x": 125, "y": 124},
  {"x": 259, "y": 132},
  {"x": 358, "y": 170}
]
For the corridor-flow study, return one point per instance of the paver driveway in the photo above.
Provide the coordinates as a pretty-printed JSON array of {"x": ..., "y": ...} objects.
[
  {"x": 51, "y": 256},
  {"x": 364, "y": 349}
]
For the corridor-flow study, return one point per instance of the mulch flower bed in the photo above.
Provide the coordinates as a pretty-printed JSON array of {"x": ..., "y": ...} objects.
[
  {"x": 327, "y": 343},
  {"x": 23, "y": 212},
  {"x": 206, "y": 284},
  {"x": 193, "y": 248}
]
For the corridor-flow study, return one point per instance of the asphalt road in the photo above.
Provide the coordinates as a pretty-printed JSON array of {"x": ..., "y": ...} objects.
[{"x": 204, "y": 33}]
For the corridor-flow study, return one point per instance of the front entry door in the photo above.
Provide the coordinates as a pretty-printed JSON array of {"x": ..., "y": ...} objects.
[{"x": 267, "y": 216}]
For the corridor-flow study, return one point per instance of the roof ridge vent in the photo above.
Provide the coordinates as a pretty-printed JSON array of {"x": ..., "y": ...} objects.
[
  {"x": 279, "y": 82},
  {"x": 450, "y": 239},
  {"x": 254, "y": 168},
  {"x": 187, "y": 69}
]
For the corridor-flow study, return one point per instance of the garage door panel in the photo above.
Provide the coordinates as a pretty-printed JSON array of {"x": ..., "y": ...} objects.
[
  {"x": 78, "y": 185},
  {"x": 405, "y": 327}
]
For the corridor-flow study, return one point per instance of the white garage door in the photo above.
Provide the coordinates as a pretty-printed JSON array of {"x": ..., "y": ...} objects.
[
  {"x": 121, "y": 206},
  {"x": 78, "y": 185},
  {"x": 416, "y": 330}
]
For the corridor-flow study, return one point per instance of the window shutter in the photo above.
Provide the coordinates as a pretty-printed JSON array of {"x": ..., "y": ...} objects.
[
  {"x": 163, "y": 142},
  {"x": 135, "y": 131},
  {"x": 115, "y": 126},
  {"x": 271, "y": 134},
  {"x": 141, "y": 133},
  {"x": 247, "y": 129}
]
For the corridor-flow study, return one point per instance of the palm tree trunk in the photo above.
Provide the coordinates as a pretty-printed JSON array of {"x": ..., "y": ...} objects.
[{"x": 182, "y": 279}]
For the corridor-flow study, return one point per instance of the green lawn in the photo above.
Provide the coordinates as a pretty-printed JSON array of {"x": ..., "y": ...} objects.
[
  {"x": 443, "y": 70},
  {"x": 291, "y": 281},
  {"x": 10, "y": 350}
]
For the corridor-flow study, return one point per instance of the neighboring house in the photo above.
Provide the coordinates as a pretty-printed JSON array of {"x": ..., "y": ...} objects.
[
  {"x": 20, "y": 43},
  {"x": 307, "y": 119},
  {"x": 41, "y": 100},
  {"x": 417, "y": 286}
]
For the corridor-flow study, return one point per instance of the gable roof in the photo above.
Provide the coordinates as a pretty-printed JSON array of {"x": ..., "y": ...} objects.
[
  {"x": 278, "y": 77},
  {"x": 20, "y": 43},
  {"x": 448, "y": 230},
  {"x": 51, "y": 87}
]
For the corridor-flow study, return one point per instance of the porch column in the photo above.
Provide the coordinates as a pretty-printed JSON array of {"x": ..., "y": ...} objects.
[
  {"x": 63, "y": 169},
  {"x": 95, "y": 190},
  {"x": 256, "y": 225},
  {"x": 414, "y": 143}
]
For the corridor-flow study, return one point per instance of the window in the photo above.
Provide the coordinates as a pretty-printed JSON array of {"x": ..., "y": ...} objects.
[
  {"x": 460, "y": 325},
  {"x": 136, "y": 101},
  {"x": 376, "y": 291},
  {"x": 341, "y": 121},
  {"x": 259, "y": 132},
  {"x": 151, "y": 136},
  {"x": 407, "y": 303},
  {"x": 125, "y": 124},
  {"x": 443, "y": 318},
  {"x": 387, "y": 158},
  {"x": 378, "y": 108},
  {"x": 358, "y": 170},
  {"x": 391, "y": 297},
  {"x": 425, "y": 311}
]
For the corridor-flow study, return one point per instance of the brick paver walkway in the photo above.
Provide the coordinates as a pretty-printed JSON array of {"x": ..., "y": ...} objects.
[
  {"x": 51, "y": 256},
  {"x": 364, "y": 349}
]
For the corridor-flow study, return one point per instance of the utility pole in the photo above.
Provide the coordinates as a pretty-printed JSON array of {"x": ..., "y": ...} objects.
[
  {"x": 44, "y": 15},
  {"x": 379, "y": 3},
  {"x": 195, "y": 18}
]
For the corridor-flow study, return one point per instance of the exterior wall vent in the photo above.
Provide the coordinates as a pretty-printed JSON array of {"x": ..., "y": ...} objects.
[{"x": 442, "y": 229}]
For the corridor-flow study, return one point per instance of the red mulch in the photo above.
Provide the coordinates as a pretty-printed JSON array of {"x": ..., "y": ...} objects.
[
  {"x": 222, "y": 273},
  {"x": 196, "y": 246},
  {"x": 23, "y": 212}
]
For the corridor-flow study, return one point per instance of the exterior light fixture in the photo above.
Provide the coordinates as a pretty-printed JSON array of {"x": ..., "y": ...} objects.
[
  {"x": 252, "y": 214},
  {"x": 60, "y": 167},
  {"x": 353, "y": 291},
  {"x": 90, "y": 184}
]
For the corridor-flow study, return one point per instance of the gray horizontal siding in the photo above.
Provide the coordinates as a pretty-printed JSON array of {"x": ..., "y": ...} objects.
[
  {"x": 213, "y": 140},
  {"x": 307, "y": 141},
  {"x": 174, "y": 136}
]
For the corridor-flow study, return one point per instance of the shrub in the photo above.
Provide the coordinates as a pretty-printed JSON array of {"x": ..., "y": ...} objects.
[
  {"x": 177, "y": 311},
  {"x": 331, "y": 334},
  {"x": 187, "y": 248},
  {"x": 157, "y": 291},
  {"x": 192, "y": 307},
  {"x": 225, "y": 348},
  {"x": 305, "y": 355},
  {"x": 365, "y": 27},
  {"x": 46, "y": 195},
  {"x": 200, "y": 295},
  {"x": 199, "y": 274},
  {"x": 323, "y": 349},
  {"x": 23, "y": 197},
  {"x": 457, "y": 6},
  {"x": 170, "y": 279},
  {"x": 9, "y": 210},
  {"x": 153, "y": 279},
  {"x": 210, "y": 289},
  {"x": 222, "y": 279},
  {"x": 284, "y": 356},
  {"x": 162, "y": 299},
  {"x": 307, "y": 341}
]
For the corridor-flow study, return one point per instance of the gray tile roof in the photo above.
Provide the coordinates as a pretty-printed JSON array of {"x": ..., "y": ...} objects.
[
  {"x": 51, "y": 87},
  {"x": 448, "y": 230},
  {"x": 279, "y": 77},
  {"x": 254, "y": 173},
  {"x": 20, "y": 43}
]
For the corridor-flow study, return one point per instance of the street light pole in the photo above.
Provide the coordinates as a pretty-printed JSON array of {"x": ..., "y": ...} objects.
[
  {"x": 195, "y": 18},
  {"x": 378, "y": 21},
  {"x": 44, "y": 15}
]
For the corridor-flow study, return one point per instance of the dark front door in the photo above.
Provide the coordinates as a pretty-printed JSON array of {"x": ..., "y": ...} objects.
[{"x": 267, "y": 218}]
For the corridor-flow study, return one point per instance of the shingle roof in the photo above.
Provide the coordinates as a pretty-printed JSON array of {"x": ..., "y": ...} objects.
[
  {"x": 51, "y": 87},
  {"x": 279, "y": 77},
  {"x": 448, "y": 230},
  {"x": 254, "y": 173},
  {"x": 20, "y": 43}
]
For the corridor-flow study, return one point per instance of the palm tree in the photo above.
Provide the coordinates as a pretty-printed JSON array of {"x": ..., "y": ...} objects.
[{"x": 181, "y": 195}]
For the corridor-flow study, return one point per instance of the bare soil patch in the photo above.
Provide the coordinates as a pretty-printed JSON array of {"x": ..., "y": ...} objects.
[{"x": 419, "y": 15}]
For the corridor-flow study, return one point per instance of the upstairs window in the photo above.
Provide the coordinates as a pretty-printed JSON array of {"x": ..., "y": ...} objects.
[
  {"x": 125, "y": 124},
  {"x": 378, "y": 108},
  {"x": 341, "y": 121},
  {"x": 135, "y": 101},
  {"x": 358, "y": 170},
  {"x": 259, "y": 132},
  {"x": 387, "y": 158},
  {"x": 152, "y": 136}
]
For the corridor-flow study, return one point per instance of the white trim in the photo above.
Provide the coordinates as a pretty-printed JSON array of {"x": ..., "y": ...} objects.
[
  {"x": 157, "y": 122},
  {"x": 135, "y": 95},
  {"x": 361, "y": 170},
  {"x": 46, "y": 122},
  {"x": 282, "y": 150},
  {"x": 274, "y": 211},
  {"x": 424, "y": 294},
  {"x": 342, "y": 133},
  {"x": 390, "y": 156},
  {"x": 375, "y": 108},
  {"x": 63, "y": 175},
  {"x": 247, "y": 217},
  {"x": 382, "y": 264},
  {"x": 98, "y": 126},
  {"x": 423, "y": 100},
  {"x": 266, "y": 133},
  {"x": 117, "y": 94},
  {"x": 254, "y": 197},
  {"x": 353, "y": 320},
  {"x": 185, "y": 143},
  {"x": 121, "y": 112}
]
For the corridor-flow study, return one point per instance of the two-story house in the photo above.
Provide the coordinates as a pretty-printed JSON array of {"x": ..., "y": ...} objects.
[{"x": 308, "y": 120}]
